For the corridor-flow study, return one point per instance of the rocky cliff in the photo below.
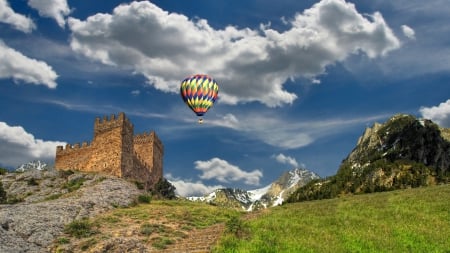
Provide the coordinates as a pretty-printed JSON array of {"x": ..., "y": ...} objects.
[
  {"x": 400, "y": 153},
  {"x": 40, "y": 203}
]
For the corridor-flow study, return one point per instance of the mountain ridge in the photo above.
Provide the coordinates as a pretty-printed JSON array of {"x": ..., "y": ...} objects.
[
  {"x": 401, "y": 153},
  {"x": 271, "y": 195}
]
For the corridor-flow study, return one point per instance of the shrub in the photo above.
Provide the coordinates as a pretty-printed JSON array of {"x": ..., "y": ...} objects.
[
  {"x": 236, "y": 227},
  {"x": 139, "y": 185},
  {"x": 147, "y": 229},
  {"x": 165, "y": 189},
  {"x": 80, "y": 228},
  {"x": 32, "y": 182},
  {"x": 62, "y": 240},
  {"x": 74, "y": 184},
  {"x": 2, "y": 194},
  {"x": 144, "y": 198},
  {"x": 3, "y": 171},
  {"x": 162, "y": 242},
  {"x": 14, "y": 200}
]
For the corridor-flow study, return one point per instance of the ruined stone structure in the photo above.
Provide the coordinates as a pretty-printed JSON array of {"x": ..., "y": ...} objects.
[{"x": 115, "y": 150}]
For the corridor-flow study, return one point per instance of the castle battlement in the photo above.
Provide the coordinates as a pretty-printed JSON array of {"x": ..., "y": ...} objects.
[
  {"x": 72, "y": 147},
  {"x": 115, "y": 150},
  {"x": 119, "y": 121}
]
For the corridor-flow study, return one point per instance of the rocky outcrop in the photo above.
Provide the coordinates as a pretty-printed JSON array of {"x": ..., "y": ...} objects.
[
  {"x": 401, "y": 153},
  {"x": 45, "y": 201}
]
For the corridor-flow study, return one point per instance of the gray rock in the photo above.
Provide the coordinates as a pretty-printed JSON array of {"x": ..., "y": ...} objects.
[{"x": 34, "y": 224}]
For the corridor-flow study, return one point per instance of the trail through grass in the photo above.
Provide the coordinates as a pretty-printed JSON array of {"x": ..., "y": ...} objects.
[{"x": 155, "y": 225}]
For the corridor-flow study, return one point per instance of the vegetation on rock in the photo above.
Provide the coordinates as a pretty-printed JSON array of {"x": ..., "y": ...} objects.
[{"x": 402, "y": 153}]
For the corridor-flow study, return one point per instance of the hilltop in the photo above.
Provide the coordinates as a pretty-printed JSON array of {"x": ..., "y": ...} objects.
[
  {"x": 401, "y": 153},
  {"x": 41, "y": 203}
]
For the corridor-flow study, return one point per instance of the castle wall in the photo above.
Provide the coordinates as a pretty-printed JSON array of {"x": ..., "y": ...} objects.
[
  {"x": 150, "y": 150},
  {"x": 116, "y": 151},
  {"x": 73, "y": 156}
]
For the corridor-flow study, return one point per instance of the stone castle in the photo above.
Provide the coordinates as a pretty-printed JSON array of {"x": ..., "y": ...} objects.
[{"x": 115, "y": 150}]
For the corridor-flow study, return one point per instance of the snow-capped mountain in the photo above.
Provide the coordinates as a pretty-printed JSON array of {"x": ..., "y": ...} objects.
[
  {"x": 34, "y": 165},
  {"x": 271, "y": 195}
]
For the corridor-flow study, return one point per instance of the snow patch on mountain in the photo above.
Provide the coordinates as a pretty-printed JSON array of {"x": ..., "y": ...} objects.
[
  {"x": 33, "y": 165},
  {"x": 273, "y": 194}
]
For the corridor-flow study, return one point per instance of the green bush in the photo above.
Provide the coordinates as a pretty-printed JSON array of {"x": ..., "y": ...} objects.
[
  {"x": 139, "y": 185},
  {"x": 12, "y": 199},
  {"x": 32, "y": 182},
  {"x": 164, "y": 189},
  {"x": 2, "y": 194},
  {"x": 145, "y": 198},
  {"x": 74, "y": 184},
  {"x": 236, "y": 227},
  {"x": 162, "y": 242},
  {"x": 80, "y": 228},
  {"x": 3, "y": 171}
]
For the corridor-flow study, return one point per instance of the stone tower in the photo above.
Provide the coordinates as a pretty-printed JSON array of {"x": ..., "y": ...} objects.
[{"x": 115, "y": 150}]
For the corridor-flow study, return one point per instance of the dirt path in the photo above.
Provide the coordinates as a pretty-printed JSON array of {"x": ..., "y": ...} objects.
[
  {"x": 203, "y": 240},
  {"x": 198, "y": 241}
]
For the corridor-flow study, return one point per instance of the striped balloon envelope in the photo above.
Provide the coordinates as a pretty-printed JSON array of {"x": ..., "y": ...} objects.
[{"x": 199, "y": 92}]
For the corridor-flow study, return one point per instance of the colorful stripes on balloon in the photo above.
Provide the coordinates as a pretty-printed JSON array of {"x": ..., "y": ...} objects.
[{"x": 199, "y": 92}]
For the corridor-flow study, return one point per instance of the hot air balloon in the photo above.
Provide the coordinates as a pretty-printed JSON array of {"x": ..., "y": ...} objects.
[{"x": 199, "y": 92}]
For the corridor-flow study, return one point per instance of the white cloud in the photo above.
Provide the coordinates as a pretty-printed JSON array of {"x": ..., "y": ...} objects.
[
  {"x": 224, "y": 172},
  {"x": 286, "y": 160},
  {"x": 276, "y": 131},
  {"x": 439, "y": 114},
  {"x": 408, "y": 32},
  {"x": 56, "y": 9},
  {"x": 17, "y": 66},
  {"x": 135, "y": 92},
  {"x": 249, "y": 65},
  {"x": 187, "y": 188},
  {"x": 18, "y": 21},
  {"x": 18, "y": 146}
]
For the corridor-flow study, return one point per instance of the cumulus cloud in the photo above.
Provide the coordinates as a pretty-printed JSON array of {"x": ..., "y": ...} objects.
[
  {"x": 439, "y": 114},
  {"x": 408, "y": 32},
  {"x": 224, "y": 172},
  {"x": 251, "y": 64},
  {"x": 18, "y": 21},
  {"x": 186, "y": 188},
  {"x": 286, "y": 160},
  {"x": 17, "y": 66},
  {"x": 56, "y": 9},
  {"x": 17, "y": 146}
]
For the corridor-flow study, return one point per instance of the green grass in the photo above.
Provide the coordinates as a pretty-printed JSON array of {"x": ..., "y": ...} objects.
[
  {"x": 413, "y": 220},
  {"x": 74, "y": 184},
  {"x": 157, "y": 224},
  {"x": 80, "y": 228}
]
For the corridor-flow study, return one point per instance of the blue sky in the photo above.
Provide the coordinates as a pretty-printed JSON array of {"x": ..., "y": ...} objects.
[{"x": 299, "y": 80}]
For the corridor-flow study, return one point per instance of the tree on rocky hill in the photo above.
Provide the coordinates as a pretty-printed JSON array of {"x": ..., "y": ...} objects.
[{"x": 164, "y": 189}]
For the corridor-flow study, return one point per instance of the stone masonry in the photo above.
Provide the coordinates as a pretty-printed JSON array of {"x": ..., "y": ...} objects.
[{"x": 115, "y": 150}]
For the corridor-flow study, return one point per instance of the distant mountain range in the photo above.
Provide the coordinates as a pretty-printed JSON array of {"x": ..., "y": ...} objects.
[
  {"x": 403, "y": 152},
  {"x": 33, "y": 165},
  {"x": 271, "y": 195}
]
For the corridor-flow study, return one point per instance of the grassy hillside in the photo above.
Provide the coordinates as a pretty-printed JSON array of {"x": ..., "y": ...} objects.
[
  {"x": 412, "y": 220},
  {"x": 153, "y": 226}
]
